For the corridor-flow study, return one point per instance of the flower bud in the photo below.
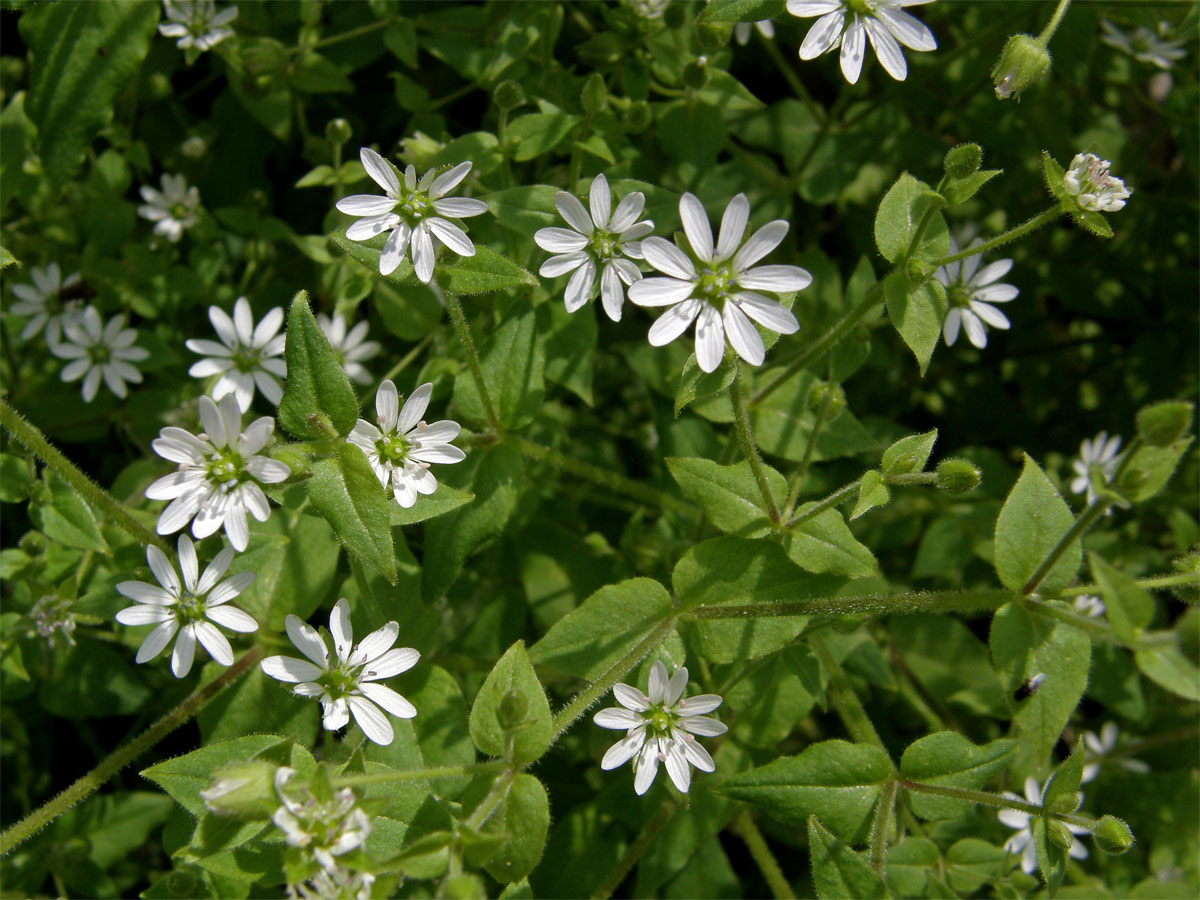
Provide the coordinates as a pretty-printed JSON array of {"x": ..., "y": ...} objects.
[
  {"x": 695, "y": 73},
  {"x": 594, "y": 96},
  {"x": 1023, "y": 62},
  {"x": 512, "y": 710},
  {"x": 159, "y": 86},
  {"x": 1112, "y": 835},
  {"x": 637, "y": 119},
  {"x": 821, "y": 394},
  {"x": 712, "y": 36},
  {"x": 337, "y": 131},
  {"x": 243, "y": 789},
  {"x": 958, "y": 476},
  {"x": 1162, "y": 424},
  {"x": 1058, "y": 834},
  {"x": 508, "y": 95},
  {"x": 963, "y": 160},
  {"x": 194, "y": 147},
  {"x": 918, "y": 271}
]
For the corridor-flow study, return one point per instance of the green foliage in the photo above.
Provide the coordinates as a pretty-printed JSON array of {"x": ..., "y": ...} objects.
[
  {"x": 317, "y": 394},
  {"x": 838, "y": 872},
  {"x": 528, "y": 739},
  {"x": 1034, "y": 519},
  {"x": 346, "y": 492},
  {"x": 948, "y": 759},
  {"x": 729, "y": 495}
]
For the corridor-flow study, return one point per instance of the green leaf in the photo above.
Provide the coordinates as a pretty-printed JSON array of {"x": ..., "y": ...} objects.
[
  {"x": 429, "y": 506},
  {"x": 6, "y": 258},
  {"x": 1054, "y": 176},
  {"x": 63, "y": 516},
  {"x": 917, "y": 312},
  {"x": 367, "y": 253},
  {"x": 1052, "y": 859},
  {"x": 731, "y": 571},
  {"x": 960, "y": 190},
  {"x": 1128, "y": 607},
  {"x": 344, "y": 490},
  {"x": 316, "y": 391},
  {"x": 838, "y": 872},
  {"x": 512, "y": 673},
  {"x": 1172, "y": 669},
  {"x": 695, "y": 384},
  {"x": 947, "y": 759},
  {"x": 570, "y": 346},
  {"x": 1062, "y": 790},
  {"x": 783, "y": 423},
  {"x": 1092, "y": 221},
  {"x": 909, "y": 454},
  {"x": 908, "y": 865},
  {"x": 973, "y": 863},
  {"x": 483, "y": 273},
  {"x": 872, "y": 492},
  {"x": 729, "y": 495},
  {"x": 1150, "y": 470},
  {"x": 533, "y": 134},
  {"x": 513, "y": 365},
  {"x": 184, "y": 777},
  {"x": 1024, "y": 645},
  {"x": 525, "y": 209},
  {"x": 587, "y": 641},
  {"x": 84, "y": 55},
  {"x": 740, "y": 11},
  {"x": 835, "y": 780},
  {"x": 1034, "y": 518},
  {"x": 825, "y": 544},
  {"x": 901, "y": 211},
  {"x": 523, "y": 817}
]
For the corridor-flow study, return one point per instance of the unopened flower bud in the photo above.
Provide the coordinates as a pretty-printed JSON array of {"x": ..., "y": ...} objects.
[
  {"x": 194, "y": 147},
  {"x": 1058, "y": 834},
  {"x": 1187, "y": 565},
  {"x": 508, "y": 95},
  {"x": 512, "y": 710},
  {"x": 1023, "y": 62},
  {"x": 963, "y": 160},
  {"x": 821, "y": 394},
  {"x": 159, "y": 86},
  {"x": 244, "y": 789},
  {"x": 958, "y": 476},
  {"x": 1162, "y": 424},
  {"x": 1112, "y": 835},
  {"x": 695, "y": 73},
  {"x": 595, "y": 94},
  {"x": 338, "y": 131},
  {"x": 918, "y": 271},
  {"x": 637, "y": 119},
  {"x": 713, "y": 35}
]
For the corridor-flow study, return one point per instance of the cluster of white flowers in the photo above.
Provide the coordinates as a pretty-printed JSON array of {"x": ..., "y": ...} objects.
[
  {"x": 1144, "y": 45},
  {"x": 970, "y": 293},
  {"x": 1094, "y": 189},
  {"x": 326, "y": 830},
  {"x": 97, "y": 350},
  {"x": 42, "y": 301}
]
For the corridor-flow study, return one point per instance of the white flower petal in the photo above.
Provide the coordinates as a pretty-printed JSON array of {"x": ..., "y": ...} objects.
[
  {"x": 733, "y": 227},
  {"x": 572, "y": 210},
  {"x": 768, "y": 313},
  {"x": 673, "y": 322},
  {"x": 214, "y": 642},
  {"x": 376, "y": 644},
  {"x": 623, "y": 750},
  {"x": 184, "y": 652},
  {"x": 627, "y": 211},
  {"x": 390, "y": 701},
  {"x": 780, "y": 279},
  {"x": 451, "y": 235},
  {"x": 824, "y": 34},
  {"x": 449, "y": 180},
  {"x": 759, "y": 245},
  {"x": 414, "y": 408},
  {"x": 307, "y": 641},
  {"x": 289, "y": 669},
  {"x": 371, "y": 720},
  {"x": 743, "y": 336},
  {"x": 144, "y": 615},
  {"x": 340, "y": 629},
  {"x": 559, "y": 240},
  {"x": 630, "y": 697},
  {"x": 156, "y": 640},
  {"x": 381, "y": 173},
  {"x": 854, "y": 44},
  {"x": 234, "y": 619},
  {"x": 660, "y": 291},
  {"x": 391, "y": 663},
  {"x": 696, "y": 227},
  {"x": 668, "y": 258},
  {"x": 600, "y": 201},
  {"x": 365, "y": 205},
  {"x": 617, "y": 718},
  {"x": 909, "y": 31},
  {"x": 579, "y": 288},
  {"x": 886, "y": 49},
  {"x": 710, "y": 339}
]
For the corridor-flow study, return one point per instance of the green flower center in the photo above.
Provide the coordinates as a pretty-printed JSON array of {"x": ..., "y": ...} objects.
[
  {"x": 342, "y": 679},
  {"x": 413, "y": 206},
  {"x": 958, "y": 295},
  {"x": 179, "y": 211},
  {"x": 246, "y": 359},
  {"x": 713, "y": 285},
  {"x": 225, "y": 468},
  {"x": 659, "y": 721},
  {"x": 190, "y": 608},
  {"x": 604, "y": 244},
  {"x": 861, "y": 7},
  {"x": 392, "y": 448},
  {"x": 101, "y": 354}
]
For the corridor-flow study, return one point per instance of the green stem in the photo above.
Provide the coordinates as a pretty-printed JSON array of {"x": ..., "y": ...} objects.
[
  {"x": 33, "y": 439},
  {"x": 793, "y": 80},
  {"x": 820, "y": 506},
  {"x": 1042, "y": 218},
  {"x": 1095, "y": 628},
  {"x": 459, "y": 318},
  {"x": 579, "y": 704},
  {"x": 741, "y": 420},
  {"x": 407, "y": 359},
  {"x": 802, "y": 470},
  {"x": 1074, "y": 533},
  {"x": 603, "y": 477},
  {"x": 849, "y": 708},
  {"x": 823, "y": 344},
  {"x": 880, "y": 826},
  {"x": 636, "y": 849},
  {"x": 871, "y": 604},
  {"x": 911, "y": 478},
  {"x": 485, "y": 809},
  {"x": 1152, "y": 583},
  {"x": 120, "y": 758},
  {"x": 1055, "y": 21},
  {"x": 351, "y": 34},
  {"x": 767, "y": 864},
  {"x": 997, "y": 801}
]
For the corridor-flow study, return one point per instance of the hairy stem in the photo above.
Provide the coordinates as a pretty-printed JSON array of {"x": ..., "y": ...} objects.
[
  {"x": 1154, "y": 582},
  {"x": 998, "y": 801},
  {"x": 880, "y": 826},
  {"x": 120, "y": 758},
  {"x": 1055, "y": 21},
  {"x": 797, "y": 480},
  {"x": 494, "y": 798},
  {"x": 636, "y": 849},
  {"x": 33, "y": 439},
  {"x": 849, "y": 708},
  {"x": 459, "y": 318},
  {"x": 746, "y": 438},
  {"x": 821, "y": 505},
  {"x": 1042, "y": 218},
  {"x": 876, "y": 604},
  {"x": 767, "y": 864}
]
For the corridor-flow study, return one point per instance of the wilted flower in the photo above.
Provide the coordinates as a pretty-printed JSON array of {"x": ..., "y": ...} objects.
[
  {"x": 351, "y": 347},
  {"x": 717, "y": 291},
  {"x": 326, "y": 829},
  {"x": 347, "y": 680},
  {"x": 970, "y": 293},
  {"x": 173, "y": 209},
  {"x": 1092, "y": 187},
  {"x": 1101, "y": 452},
  {"x": 882, "y": 22},
  {"x": 660, "y": 727},
  {"x": 1101, "y": 746},
  {"x": 415, "y": 212},
  {"x": 1022, "y": 842},
  {"x": 403, "y": 445},
  {"x": 189, "y": 607},
  {"x": 196, "y": 23},
  {"x": 52, "y": 616},
  {"x": 1144, "y": 45},
  {"x": 97, "y": 352},
  {"x": 601, "y": 240},
  {"x": 43, "y": 303},
  {"x": 248, "y": 354},
  {"x": 219, "y": 473},
  {"x": 742, "y": 30}
]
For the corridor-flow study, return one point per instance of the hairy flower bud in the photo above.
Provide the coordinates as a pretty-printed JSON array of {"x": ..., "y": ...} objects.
[
  {"x": 1023, "y": 62},
  {"x": 957, "y": 476},
  {"x": 508, "y": 95},
  {"x": 1112, "y": 835},
  {"x": 594, "y": 96},
  {"x": 337, "y": 131},
  {"x": 963, "y": 160},
  {"x": 821, "y": 394}
]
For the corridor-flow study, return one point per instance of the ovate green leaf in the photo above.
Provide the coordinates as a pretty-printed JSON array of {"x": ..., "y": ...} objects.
[
  {"x": 1034, "y": 518},
  {"x": 838, "y": 872},
  {"x": 729, "y": 495},
  {"x": 917, "y": 312},
  {"x": 346, "y": 492},
  {"x": 316, "y": 390},
  {"x": 512, "y": 673},
  {"x": 947, "y": 759}
]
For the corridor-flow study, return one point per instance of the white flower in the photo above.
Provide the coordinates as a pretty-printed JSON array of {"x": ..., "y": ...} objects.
[
  {"x": 326, "y": 829},
  {"x": 52, "y": 616},
  {"x": 172, "y": 209},
  {"x": 1089, "y": 605},
  {"x": 970, "y": 293},
  {"x": 1101, "y": 452},
  {"x": 599, "y": 240},
  {"x": 1022, "y": 841},
  {"x": 248, "y": 354},
  {"x": 660, "y": 727},
  {"x": 196, "y": 23},
  {"x": 1144, "y": 45},
  {"x": 1092, "y": 187},
  {"x": 416, "y": 213},
  {"x": 189, "y": 607},
  {"x": 742, "y": 30},
  {"x": 219, "y": 473},
  {"x": 346, "y": 681},
  {"x": 882, "y": 22},
  {"x": 334, "y": 884},
  {"x": 351, "y": 347},
  {"x": 403, "y": 445},
  {"x": 97, "y": 352},
  {"x": 1103, "y": 745},
  {"x": 718, "y": 291},
  {"x": 43, "y": 303}
]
